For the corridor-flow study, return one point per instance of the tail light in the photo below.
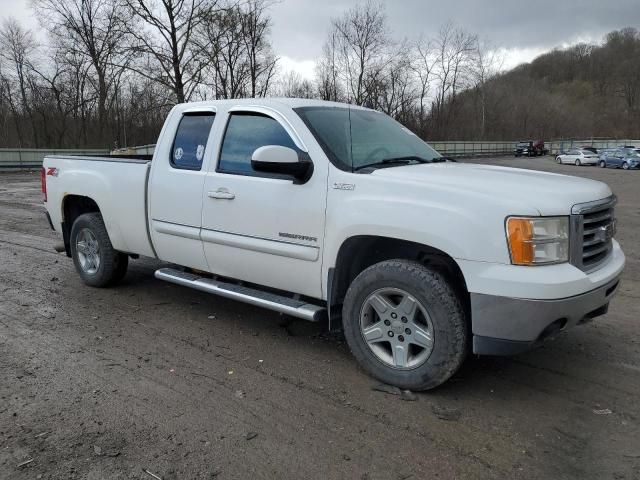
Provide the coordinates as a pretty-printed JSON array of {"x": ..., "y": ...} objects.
[{"x": 43, "y": 181}]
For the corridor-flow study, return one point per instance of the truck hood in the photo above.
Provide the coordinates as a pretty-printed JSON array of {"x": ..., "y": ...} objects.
[{"x": 548, "y": 193}]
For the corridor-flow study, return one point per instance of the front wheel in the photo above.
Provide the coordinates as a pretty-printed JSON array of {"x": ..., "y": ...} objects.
[
  {"x": 603, "y": 164},
  {"x": 95, "y": 259},
  {"x": 625, "y": 165},
  {"x": 578, "y": 163},
  {"x": 405, "y": 324}
]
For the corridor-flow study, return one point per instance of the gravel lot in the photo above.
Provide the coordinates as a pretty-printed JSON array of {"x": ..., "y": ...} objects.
[{"x": 105, "y": 384}]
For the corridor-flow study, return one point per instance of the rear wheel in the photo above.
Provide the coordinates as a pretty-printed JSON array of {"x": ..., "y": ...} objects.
[
  {"x": 578, "y": 162},
  {"x": 559, "y": 160},
  {"x": 95, "y": 259},
  {"x": 603, "y": 164},
  {"x": 625, "y": 165},
  {"x": 405, "y": 324}
]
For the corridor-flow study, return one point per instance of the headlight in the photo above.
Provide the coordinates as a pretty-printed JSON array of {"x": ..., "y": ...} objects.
[{"x": 538, "y": 240}]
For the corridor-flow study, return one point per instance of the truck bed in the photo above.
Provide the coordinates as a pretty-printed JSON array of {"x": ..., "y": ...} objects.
[{"x": 117, "y": 184}]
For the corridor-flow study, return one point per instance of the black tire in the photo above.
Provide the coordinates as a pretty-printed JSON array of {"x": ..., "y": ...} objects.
[
  {"x": 559, "y": 160},
  {"x": 112, "y": 263},
  {"x": 625, "y": 166},
  {"x": 578, "y": 162},
  {"x": 444, "y": 307},
  {"x": 602, "y": 164}
]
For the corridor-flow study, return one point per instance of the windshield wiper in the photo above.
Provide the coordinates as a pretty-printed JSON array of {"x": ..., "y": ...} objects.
[{"x": 395, "y": 161}]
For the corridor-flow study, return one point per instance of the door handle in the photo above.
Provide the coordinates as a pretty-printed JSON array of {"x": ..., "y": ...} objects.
[{"x": 222, "y": 194}]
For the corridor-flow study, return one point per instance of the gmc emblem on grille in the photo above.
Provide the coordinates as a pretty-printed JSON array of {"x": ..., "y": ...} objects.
[{"x": 605, "y": 233}]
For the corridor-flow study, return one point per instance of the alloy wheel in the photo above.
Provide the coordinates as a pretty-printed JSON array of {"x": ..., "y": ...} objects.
[
  {"x": 397, "y": 328},
  {"x": 88, "y": 251}
]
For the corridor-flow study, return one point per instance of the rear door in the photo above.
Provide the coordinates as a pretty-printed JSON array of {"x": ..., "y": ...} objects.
[
  {"x": 175, "y": 188},
  {"x": 260, "y": 227}
]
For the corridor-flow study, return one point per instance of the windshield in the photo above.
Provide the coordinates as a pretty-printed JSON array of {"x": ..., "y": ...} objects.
[{"x": 354, "y": 138}]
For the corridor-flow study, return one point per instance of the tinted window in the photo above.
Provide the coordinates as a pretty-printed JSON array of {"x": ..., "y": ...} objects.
[
  {"x": 245, "y": 134},
  {"x": 332, "y": 128},
  {"x": 191, "y": 140}
]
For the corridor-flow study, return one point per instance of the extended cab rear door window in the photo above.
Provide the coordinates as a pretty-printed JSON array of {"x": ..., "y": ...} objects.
[
  {"x": 190, "y": 141},
  {"x": 245, "y": 133}
]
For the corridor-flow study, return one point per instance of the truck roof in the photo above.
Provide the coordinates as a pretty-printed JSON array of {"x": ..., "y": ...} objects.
[{"x": 268, "y": 102}]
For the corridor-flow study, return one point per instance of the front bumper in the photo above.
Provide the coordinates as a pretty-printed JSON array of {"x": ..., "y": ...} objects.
[
  {"x": 514, "y": 308},
  {"x": 515, "y": 325}
]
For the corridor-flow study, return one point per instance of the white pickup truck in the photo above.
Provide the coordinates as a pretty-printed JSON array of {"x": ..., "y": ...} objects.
[{"x": 324, "y": 210}]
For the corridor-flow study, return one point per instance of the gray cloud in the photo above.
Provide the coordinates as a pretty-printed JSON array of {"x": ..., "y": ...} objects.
[{"x": 300, "y": 26}]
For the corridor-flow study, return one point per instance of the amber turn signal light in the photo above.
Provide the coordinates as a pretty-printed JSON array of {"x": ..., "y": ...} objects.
[{"x": 520, "y": 235}]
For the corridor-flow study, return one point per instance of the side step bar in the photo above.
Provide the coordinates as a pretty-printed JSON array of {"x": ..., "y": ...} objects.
[{"x": 259, "y": 298}]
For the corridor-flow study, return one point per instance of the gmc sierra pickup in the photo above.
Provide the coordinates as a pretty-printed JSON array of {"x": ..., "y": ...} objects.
[{"x": 324, "y": 210}]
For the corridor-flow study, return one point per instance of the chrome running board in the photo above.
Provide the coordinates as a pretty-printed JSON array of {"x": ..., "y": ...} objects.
[{"x": 259, "y": 298}]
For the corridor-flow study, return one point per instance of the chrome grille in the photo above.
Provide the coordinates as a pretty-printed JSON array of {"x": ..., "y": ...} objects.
[{"x": 593, "y": 225}]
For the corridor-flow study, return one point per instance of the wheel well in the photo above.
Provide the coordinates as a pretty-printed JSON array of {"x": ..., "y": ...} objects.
[
  {"x": 73, "y": 206},
  {"x": 360, "y": 252}
]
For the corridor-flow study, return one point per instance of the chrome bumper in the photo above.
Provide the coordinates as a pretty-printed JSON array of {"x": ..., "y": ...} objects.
[{"x": 506, "y": 326}]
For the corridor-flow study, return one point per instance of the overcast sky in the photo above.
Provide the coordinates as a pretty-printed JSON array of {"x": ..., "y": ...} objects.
[{"x": 523, "y": 28}]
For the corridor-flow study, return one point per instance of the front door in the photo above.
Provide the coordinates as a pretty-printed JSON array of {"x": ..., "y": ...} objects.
[{"x": 259, "y": 227}]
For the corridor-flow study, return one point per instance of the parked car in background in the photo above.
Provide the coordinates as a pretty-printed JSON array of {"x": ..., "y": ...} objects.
[
  {"x": 530, "y": 148},
  {"x": 626, "y": 158},
  {"x": 590, "y": 149},
  {"x": 578, "y": 157}
]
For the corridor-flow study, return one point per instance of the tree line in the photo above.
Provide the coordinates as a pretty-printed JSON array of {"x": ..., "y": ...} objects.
[{"x": 108, "y": 71}]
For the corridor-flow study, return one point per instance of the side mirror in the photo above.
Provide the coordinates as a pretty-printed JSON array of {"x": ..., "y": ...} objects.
[{"x": 282, "y": 160}]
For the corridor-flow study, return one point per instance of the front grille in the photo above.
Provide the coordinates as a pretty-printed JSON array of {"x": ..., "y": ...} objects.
[{"x": 593, "y": 225}]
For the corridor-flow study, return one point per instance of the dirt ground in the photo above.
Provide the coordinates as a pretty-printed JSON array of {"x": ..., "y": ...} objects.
[{"x": 152, "y": 377}]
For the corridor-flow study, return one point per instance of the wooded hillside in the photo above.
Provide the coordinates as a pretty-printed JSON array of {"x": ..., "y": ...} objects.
[{"x": 581, "y": 92}]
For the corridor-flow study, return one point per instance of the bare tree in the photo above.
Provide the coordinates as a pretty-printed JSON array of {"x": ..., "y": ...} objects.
[
  {"x": 92, "y": 28},
  {"x": 455, "y": 48},
  {"x": 292, "y": 85},
  {"x": 220, "y": 43},
  {"x": 17, "y": 47},
  {"x": 234, "y": 41},
  {"x": 165, "y": 31},
  {"x": 486, "y": 63},
  {"x": 424, "y": 65},
  {"x": 261, "y": 61},
  {"x": 362, "y": 42},
  {"x": 395, "y": 91},
  {"x": 327, "y": 70}
]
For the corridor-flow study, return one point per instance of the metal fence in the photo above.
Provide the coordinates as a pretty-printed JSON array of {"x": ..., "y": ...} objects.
[
  {"x": 29, "y": 158},
  {"x": 465, "y": 148},
  {"x": 16, "y": 159},
  {"x": 457, "y": 149},
  {"x": 473, "y": 149},
  {"x": 559, "y": 146}
]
